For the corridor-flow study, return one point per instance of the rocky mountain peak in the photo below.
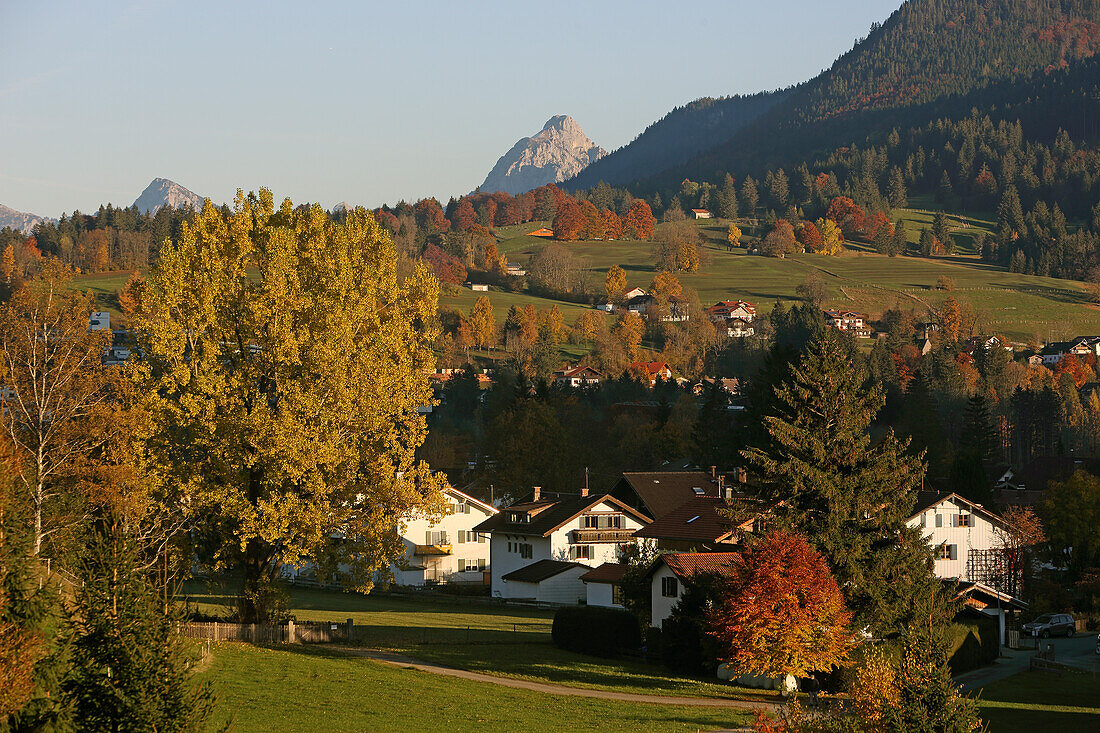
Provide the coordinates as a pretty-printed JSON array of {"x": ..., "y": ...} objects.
[
  {"x": 163, "y": 192},
  {"x": 558, "y": 152},
  {"x": 20, "y": 221}
]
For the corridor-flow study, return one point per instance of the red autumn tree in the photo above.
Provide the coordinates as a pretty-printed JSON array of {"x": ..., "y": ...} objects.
[
  {"x": 593, "y": 222},
  {"x": 781, "y": 611},
  {"x": 487, "y": 213},
  {"x": 388, "y": 220},
  {"x": 1071, "y": 365},
  {"x": 429, "y": 216},
  {"x": 464, "y": 215},
  {"x": 809, "y": 237},
  {"x": 847, "y": 214},
  {"x": 447, "y": 269},
  {"x": 612, "y": 225},
  {"x": 876, "y": 222},
  {"x": 639, "y": 222},
  {"x": 569, "y": 221},
  {"x": 508, "y": 212}
]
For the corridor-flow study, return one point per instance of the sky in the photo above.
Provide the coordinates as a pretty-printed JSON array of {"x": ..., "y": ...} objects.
[{"x": 363, "y": 102}]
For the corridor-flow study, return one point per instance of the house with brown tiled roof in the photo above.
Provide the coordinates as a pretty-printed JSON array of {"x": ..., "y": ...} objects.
[
  {"x": 851, "y": 321},
  {"x": 651, "y": 371},
  {"x": 581, "y": 528},
  {"x": 579, "y": 376},
  {"x": 670, "y": 572},
  {"x": 656, "y": 493},
  {"x": 700, "y": 524}
]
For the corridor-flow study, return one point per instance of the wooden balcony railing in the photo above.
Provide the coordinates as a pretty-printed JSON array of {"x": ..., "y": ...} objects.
[
  {"x": 587, "y": 536},
  {"x": 432, "y": 550}
]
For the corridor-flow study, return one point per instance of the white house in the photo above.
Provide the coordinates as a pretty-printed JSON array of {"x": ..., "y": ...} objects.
[
  {"x": 585, "y": 529},
  {"x": 603, "y": 585},
  {"x": 548, "y": 581},
  {"x": 448, "y": 550},
  {"x": 671, "y": 571},
  {"x": 966, "y": 539},
  {"x": 580, "y": 376},
  {"x": 701, "y": 214}
]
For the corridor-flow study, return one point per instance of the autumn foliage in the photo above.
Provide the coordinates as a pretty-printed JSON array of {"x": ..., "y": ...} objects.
[{"x": 781, "y": 611}]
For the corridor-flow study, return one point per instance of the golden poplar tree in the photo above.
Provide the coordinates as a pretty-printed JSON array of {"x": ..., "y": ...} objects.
[
  {"x": 832, "y": 238},
  {"x": 483, "y": 325},
  {"x": 615, "y": 282},
  {"x": 7, "y": 263},
  {"x": 286, "y": 361}
]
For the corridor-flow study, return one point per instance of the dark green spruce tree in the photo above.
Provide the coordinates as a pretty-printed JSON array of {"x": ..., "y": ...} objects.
[
  {"x": 978, "y": 456},
  {"x": 130, "y": 669},
  {"x": 850, "y": 496}
]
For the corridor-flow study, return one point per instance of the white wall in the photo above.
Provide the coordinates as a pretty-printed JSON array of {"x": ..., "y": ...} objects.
[
  {"x": 445, "y": 567},
  {"x": 601, "y": 594},
  {"x": 562, "y": 539},
  {"x": 566, "y": 587},
  {"x": 504, "y": 561},
  {"x": 661, "y": 606},
  {"x": 980, "y": 535}
]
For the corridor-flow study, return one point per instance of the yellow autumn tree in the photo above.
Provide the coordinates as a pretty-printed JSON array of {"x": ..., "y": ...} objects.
[
  {"x": 286, "y": 362},
  {"x": 7, "y": 263},
  {"x": 483, "y": 325},
  {"x": 629, "y": 331},
  {"x": 615, "y": 282},
  {"x": 733, "y": 236},
  {"x": 832, "y": 238}
]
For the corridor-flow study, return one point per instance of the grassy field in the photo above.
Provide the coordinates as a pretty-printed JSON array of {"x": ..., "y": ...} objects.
[
  {"x": 499, "y": 640},
  {"x": 311, "y": 688},
  {"x": 1035, "y": 702}
]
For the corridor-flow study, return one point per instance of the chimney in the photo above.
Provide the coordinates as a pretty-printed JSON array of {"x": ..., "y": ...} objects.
[
  {"x": 721, "y": 480},
  {"x": 742, "y": 475},
  {"x": 584, "y": 491},
  {"x": 713, "y": 471},
  {"x": 538, "y": 492}
]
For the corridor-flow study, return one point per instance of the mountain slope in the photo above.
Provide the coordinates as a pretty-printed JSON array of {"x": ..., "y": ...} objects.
[
  {"x": 162, "y": 192},
  {"x": 678, "y": 136},
  {"x": 18, "y": 220},
  {"x": 558, "y": 152},
  {"x": 927, "y": 53}
]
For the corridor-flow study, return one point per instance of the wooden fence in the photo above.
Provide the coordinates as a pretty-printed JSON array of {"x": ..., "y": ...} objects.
[{"x": 311, "y": 632}]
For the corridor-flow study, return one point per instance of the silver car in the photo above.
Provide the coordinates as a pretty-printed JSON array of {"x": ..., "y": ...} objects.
[{"x": 1051, "y": 624}]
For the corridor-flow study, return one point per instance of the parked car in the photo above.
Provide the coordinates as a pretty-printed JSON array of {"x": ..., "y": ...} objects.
[
  {"x": 1098, "y": 645},
  {"x": 1051, "y": 624}
]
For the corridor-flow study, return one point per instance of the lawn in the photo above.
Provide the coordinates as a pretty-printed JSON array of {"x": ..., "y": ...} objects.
[
  {"x": 310, "y": 688},
  {"x": 492, "y": 639},
  {"x": 1032, "y": 702}
]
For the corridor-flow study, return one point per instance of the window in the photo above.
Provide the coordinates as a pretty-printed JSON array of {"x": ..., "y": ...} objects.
[
  {"x": 922, "y": 522},
  {"x": 481, "y": 563},
  {"x": 435, "y": 538},
  {"x": 669, "y": 587},
  {"x": 518, "y": 517},
  {"x": 603, "y": 521},
  {"x": 461, "y": 536},
  {"x": 525, "y": 551},
  {"x": 962, "y": 520},
  {"x": 580, "y": 552},
  {"x": 947, "y": 552},
  {"x": 617, "y": 595},
  {"x": 480, "y": 537},
  {"x": 510, "y": 547}
]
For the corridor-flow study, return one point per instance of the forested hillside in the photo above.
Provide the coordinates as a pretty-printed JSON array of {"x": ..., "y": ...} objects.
[{"x": 678, "y": 136}]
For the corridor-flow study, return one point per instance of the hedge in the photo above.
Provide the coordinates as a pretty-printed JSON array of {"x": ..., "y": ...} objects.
[
  {"x": 603, "y": 632},
  {"x": 974, "y": 643}
]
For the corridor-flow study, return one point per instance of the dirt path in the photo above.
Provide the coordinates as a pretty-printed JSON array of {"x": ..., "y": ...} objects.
[{"x": 399, "y": 660}]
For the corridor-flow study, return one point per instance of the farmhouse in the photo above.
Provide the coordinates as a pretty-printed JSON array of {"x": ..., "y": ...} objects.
[
  {"x": 651, "y": 371},
  {"x": 1081, "y": 347},
  {"x": 580, "y": 376},
  {"x": 584, "y": 529},
  {"x": 851, "y": 321},
  {"x": 701, "y": 214},
  {"x": 448, "y": 550},
  {"x": 725, "y": 309},
  {"x": 670, "y": 572},
  {"x": 541, "y": 232}
]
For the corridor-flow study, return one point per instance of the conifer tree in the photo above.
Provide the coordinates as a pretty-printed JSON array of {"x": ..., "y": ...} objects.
[
  {"x": 749, "y": 196},
  {"x": 851, "y": 498},
  {"x": 130, "y": 670},
  {"x": 896, "y": 194}
]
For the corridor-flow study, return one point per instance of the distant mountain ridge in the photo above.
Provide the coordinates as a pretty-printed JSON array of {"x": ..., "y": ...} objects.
[
  {"x": 558, "y": 152},
  {"x": 163, "y": 192},
  {"x": 18, "y": 220}
]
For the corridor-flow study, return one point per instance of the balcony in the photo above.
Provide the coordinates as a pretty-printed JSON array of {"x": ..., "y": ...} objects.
[
  {"x": 430, "y": 550},
  {"x": 590, "y": 536}
]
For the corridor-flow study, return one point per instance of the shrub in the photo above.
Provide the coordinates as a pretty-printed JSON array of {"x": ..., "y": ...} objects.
[{"x": 603, "y": 632}]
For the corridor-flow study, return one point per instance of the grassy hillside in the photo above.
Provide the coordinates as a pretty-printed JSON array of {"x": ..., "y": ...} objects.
[{"x": 1019, "y": 306}]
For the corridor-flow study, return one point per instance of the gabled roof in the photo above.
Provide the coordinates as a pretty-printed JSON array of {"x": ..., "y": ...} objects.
[
  {"x": 701, "y": 211},
  {"x": 697, "y": 519},
  {"x": 576, "y": 371},
  {"x": 540, "y": 570},
  {"x": 659, "y": 492},
  {"x": 610, "y": 573},
  {"x": 685, "y": 565},
  {"x": 928, "y": 499},
  {"x": 980, "y": 595},
  {"x": 551, "y": 512},
  {"x": 470, "y": 500},
  {"x": 650, "y": 367}
]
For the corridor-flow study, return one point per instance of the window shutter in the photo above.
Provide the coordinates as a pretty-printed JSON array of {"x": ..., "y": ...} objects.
[
  {"x": 428, "y": 537},
  {"x": 954, "y": 550},
  {"x": 939, "y": 520},
  {"x": 481, "y": 537}
]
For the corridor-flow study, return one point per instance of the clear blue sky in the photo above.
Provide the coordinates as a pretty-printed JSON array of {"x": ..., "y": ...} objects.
[{"x": 361, "y": 101}]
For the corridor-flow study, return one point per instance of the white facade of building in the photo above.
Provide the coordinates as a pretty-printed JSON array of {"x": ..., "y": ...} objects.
[
  {"x": 565, "y": 588},
  {"x": 601, "y": 594},
  {"x": 665, "y": 592},
  {"x": 954, "y": 528},
  {"x": 448, "y": 550}
]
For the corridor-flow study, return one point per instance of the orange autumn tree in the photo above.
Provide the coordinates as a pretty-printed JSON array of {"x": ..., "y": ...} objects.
[
  {"x": 781, "y": 611},
  {"x": 1071, "y": 365}
]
